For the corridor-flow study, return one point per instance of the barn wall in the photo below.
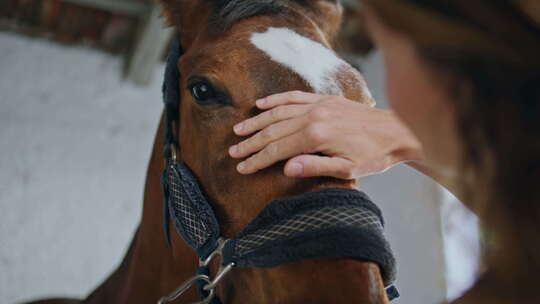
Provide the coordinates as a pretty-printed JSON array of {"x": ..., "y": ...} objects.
[{"x": 75, "y": 143}]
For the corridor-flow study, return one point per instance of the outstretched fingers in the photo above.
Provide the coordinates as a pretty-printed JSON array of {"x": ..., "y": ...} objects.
[
  {"x": 267, "y": 118},
  {"x": 268, "y": 135},
  {"x": 291, "y": 125},
  {"x": 308, "y": 165},
  {"x": 281, "y": 149},
  {"x": 292, "y": 97},
  {"x": 280, "y": 107}
]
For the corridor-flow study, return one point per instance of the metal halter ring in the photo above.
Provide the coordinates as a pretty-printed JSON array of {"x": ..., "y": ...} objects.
[
  {"x": 222, "y": 271},
  {"x": 217, "y": 252},
  {"x": 210, "y": 285},
  {"x": 187, "y": 285},
  {"x": 174, "y": 153}
]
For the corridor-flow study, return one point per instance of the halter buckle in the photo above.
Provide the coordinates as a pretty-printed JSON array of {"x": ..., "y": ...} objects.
[
  {"x": 186, "y": 286},
  {"x": 174, "y": 153},
  {"x": 223, "y": 269},
  {"x": 210, "y": 285}
]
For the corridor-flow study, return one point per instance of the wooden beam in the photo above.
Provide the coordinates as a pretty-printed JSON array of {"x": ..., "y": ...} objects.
[
  {"x": 132, "y": 8},
  {"x": 149, "y": 48}
]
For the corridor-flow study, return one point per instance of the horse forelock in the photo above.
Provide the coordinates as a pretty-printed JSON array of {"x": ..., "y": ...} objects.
[{"x": 228, "y": 12}]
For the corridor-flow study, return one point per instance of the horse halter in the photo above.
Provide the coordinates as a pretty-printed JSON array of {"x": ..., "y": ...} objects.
[{"x": 327, "y": 223}]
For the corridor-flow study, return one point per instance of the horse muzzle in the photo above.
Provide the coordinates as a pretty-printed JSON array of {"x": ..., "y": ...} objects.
[{"x": 328, "y": 223}]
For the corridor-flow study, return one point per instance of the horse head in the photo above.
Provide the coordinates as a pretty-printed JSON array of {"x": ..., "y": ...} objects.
[{"x": 233, "y": 53}]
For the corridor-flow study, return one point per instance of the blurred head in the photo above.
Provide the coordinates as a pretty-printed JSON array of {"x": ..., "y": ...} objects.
[{"x": 465, "y": 77}]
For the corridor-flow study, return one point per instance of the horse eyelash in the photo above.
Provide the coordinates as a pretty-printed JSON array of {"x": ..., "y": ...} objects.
[{"x": 220, "y": 99}]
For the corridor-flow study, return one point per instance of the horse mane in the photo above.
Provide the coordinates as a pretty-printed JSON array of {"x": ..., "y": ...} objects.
[{"x": 227, "y": 12}]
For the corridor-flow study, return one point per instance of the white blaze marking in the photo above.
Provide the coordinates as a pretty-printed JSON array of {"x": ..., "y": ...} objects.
[{"x": 315, "y": 63}]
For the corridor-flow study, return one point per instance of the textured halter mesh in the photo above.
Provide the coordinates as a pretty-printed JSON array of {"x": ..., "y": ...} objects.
[
  {"x": 314, "y": 220},
  {"x": 194, "y": 229}
]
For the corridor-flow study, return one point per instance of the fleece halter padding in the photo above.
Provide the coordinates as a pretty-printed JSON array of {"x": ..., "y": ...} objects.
[{"x": 328, "y": 223}]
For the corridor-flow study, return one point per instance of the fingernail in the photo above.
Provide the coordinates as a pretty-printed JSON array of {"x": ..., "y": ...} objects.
[
  {"x": 241, "y": 167},
  {"x": 261, "y": 102},
  {"x": 296, "y": 169},
  {"x": 239, "y": 127},
  {"x": 233, "y": 150}
]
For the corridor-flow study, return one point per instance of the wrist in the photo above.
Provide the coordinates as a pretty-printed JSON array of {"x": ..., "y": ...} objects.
[
  {"x": 407, "y": 146},
  {"x": 408, "y": 153}
]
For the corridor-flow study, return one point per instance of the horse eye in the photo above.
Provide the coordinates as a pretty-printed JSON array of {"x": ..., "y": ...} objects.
[{"x": 202, "y": 92}]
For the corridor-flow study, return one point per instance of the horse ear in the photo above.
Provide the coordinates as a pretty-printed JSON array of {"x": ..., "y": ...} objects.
[
  {"x": 186, "y": 16},
  {"x": 530, "y": 8},
  {"x": 328, "y": 16},
  {"x": 173, "y": 10}
]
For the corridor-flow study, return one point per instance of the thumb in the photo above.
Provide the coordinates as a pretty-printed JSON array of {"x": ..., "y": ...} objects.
[{"x": 309, "y": 165}]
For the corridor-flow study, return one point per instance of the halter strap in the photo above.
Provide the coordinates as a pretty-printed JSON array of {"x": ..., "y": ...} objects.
[{"x": 171, "y": 96}]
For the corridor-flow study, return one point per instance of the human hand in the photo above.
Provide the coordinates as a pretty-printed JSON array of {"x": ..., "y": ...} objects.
[{"x": 351, "y": 139}]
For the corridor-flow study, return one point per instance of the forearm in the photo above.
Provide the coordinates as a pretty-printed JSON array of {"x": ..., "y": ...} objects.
[{"x": 408, "y": 149}]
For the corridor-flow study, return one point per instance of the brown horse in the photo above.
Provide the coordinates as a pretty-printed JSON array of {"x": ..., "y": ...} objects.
[{"x": 244, "y": 49}]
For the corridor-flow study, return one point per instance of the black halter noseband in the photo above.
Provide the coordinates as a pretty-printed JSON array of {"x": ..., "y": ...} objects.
[{"x": 326, "y": 223}]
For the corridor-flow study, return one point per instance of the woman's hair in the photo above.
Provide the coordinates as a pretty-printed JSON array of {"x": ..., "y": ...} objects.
[{"x": 489, "y": 50}]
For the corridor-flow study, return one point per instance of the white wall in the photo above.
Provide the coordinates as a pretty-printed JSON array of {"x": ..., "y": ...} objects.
[
  {"x": 462, "y": 246},
  {"x": 75, "y": 143}
]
